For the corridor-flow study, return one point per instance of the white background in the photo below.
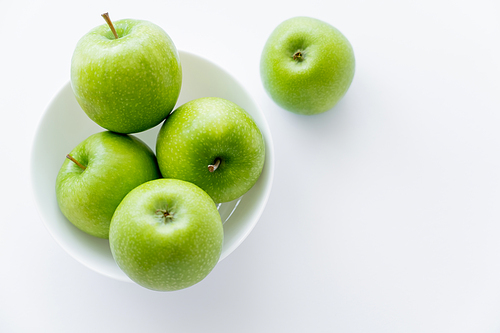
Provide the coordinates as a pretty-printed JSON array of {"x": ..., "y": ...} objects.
[{"x": 384, "y": 214}]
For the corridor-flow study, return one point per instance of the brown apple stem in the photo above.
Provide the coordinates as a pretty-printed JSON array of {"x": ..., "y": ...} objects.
[
  {"x": 83, "y": 167},
  {"x": 213, "y": 167},
  {"x": 297, "y": 56},
  {"x": 108, "y": 21},
  {"x": 165, "y": 213}
]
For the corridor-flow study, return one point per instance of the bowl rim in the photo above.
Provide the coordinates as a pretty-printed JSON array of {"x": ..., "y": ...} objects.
[{"x": 269, "y": 165}]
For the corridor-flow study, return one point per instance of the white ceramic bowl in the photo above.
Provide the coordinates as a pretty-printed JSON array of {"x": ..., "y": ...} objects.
[{"x": 64, "y": 125}]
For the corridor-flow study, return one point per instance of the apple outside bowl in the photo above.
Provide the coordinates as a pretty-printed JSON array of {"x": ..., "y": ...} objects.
[{"x": 64, "y": 125}]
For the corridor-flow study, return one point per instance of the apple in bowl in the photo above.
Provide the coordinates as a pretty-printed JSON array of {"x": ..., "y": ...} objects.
[
  {"x": 126, "y": 76},
  {"x": 97, "y": 174},
  {"x": 213, "y": 143},
  {"x": 166, "y": 235}
]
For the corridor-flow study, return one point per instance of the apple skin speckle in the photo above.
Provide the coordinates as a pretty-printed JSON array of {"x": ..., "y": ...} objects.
[
  {"x": 129, "y": 84},
  {"x": 166, "y": 255},
  {"x": 203, "y": 130}
]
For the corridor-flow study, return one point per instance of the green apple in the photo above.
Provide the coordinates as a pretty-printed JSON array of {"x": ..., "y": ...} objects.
[
  {"x": 130, "y": 83},
  {"x": 214, "y": 144},
  {"x": 307, "y": 65},
  {"x": 166, "y": 235},
  {"x": 98, "y": 174}
]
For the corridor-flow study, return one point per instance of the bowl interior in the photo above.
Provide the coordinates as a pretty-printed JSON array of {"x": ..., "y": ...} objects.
[{"x": 64, "y": 125}]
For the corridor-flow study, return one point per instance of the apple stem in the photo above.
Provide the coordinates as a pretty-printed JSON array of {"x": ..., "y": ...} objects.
[
  {"x": 213, "y": 167},
  {"x": 83, "y": 167},
  {"x": 165, "y": 213},
  {"x": 108, "y": 21},
  {"x": 298, "y": 56}
]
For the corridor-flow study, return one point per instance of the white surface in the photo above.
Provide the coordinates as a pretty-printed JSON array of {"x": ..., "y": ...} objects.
[
  {"x": 384, "y": 211},
  {"x": 64, "y": 125}
]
